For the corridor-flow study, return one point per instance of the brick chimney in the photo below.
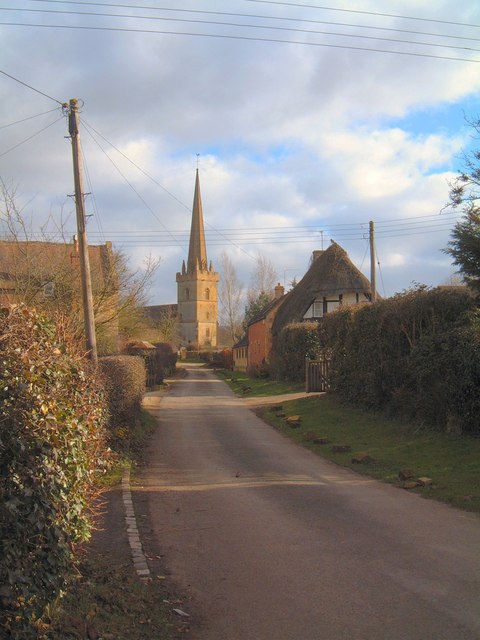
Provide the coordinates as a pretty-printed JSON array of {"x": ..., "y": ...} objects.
[{"x": 279, "y": 291}]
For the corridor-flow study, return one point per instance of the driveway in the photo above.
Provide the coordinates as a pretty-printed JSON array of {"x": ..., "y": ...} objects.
[{"x": 273, "y": 543}]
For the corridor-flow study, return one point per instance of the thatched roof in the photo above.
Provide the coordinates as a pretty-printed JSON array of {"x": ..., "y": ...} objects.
[{"x": 331, "y": 273}]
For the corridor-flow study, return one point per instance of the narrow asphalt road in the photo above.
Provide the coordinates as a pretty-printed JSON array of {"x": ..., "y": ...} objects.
[{"x": 274, "y": 543}]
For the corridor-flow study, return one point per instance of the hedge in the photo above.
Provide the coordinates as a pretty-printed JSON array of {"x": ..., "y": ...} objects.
[
  {"x": 416, "y": 355},
  {"x": 52, "y": 443},
  {"x": 165, "y": 359},
  {"x": 296, "y": 342},
  {"x": 124, "y": 380}
]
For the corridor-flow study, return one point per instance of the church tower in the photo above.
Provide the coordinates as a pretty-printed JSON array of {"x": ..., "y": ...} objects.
[{"x": 197, "y": 285}]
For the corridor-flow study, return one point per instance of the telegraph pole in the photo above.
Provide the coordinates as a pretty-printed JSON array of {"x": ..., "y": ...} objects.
[
  {"x": 373, "y": 277},
  {"x": 89, "y": 320}
]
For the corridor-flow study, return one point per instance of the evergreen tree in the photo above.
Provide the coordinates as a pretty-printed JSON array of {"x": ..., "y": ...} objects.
[
  {"x": 255, "y": 306},
  {"x": 464, "y": 246}
]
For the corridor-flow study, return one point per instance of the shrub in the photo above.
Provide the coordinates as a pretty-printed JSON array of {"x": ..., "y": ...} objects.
[
  {"x": 443, "y": 377},
  {"x": 415, "y": 354},
  {"x": 222, "y": 359},
  {"x": 125, "y": 386},
  {"x": 165, "y": 360},
  {"x": 295, "y": 343},
  {"x": 52, "y": 417}
]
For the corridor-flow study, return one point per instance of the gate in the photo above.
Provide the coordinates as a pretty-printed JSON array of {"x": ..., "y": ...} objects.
[{"x": 317, "y": 374}]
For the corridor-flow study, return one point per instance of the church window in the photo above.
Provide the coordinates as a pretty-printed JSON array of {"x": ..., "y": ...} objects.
[
  {"x": 207, "y": 332},
  {"x": 207, "y": 294},
  {"x": 187, "y": 293},
  {"x": 208, "y": 316}
]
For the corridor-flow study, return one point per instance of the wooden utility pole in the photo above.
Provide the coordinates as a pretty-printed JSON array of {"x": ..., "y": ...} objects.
[
  {"x": 87, "y": 297},
  {"x": 373, "y": 278}
]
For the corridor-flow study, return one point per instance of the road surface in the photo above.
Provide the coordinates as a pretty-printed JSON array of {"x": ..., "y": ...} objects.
[{"x": 274, "y": 543}]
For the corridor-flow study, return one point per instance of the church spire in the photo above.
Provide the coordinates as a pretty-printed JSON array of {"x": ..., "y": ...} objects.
[{"x": 197, "y": 252}]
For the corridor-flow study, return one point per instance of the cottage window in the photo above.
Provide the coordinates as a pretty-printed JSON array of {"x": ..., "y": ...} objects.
[
  {"x": 316, "y": 310},
  {"x": 320, "y": 308},
  {"x": 332, "y": 305}
]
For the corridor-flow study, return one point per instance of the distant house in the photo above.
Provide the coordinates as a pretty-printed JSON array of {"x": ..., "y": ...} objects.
[
  {"x": 47, "y": 275},
  {"x": 240, "y": 354},
  {"x": 331, "y": 281}
]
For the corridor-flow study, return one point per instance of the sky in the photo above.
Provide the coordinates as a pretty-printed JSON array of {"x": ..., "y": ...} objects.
[{"x": 306, "y": 121}]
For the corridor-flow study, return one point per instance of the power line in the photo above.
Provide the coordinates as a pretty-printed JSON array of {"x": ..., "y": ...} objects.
[
  {"x": 358, "y": 228},
  {"x": 240, "y": 38},
  {"x": 32, "y": 88},
  {"x": 30, "y": 137},
  {"x": 11, "y": 124},
  {"x": 136, "y": 165},
  {"x": 368, "y": 13},
  {"x": 92, "y": 193},
  {"x": 139, "y": 238},
  {"x": 131, "y": 186},
  {"x": 155, "y": 182},
  {"x": 247, "y": 26},
  {"x": 256, "y": 16},
  {"x": 380, "y": 271}
]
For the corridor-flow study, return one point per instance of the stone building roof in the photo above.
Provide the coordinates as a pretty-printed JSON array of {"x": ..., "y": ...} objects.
[
  {"x": 331, "y": 273},
  {"x": 158, "y": 311},
  {"x": 48, "y": 260}
]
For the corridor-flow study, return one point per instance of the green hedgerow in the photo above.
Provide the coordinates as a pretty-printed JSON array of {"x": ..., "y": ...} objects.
[
  {"x": 416, "y": 355},
  {"x": 296, "y": 342},
  {"x": 125, "y": 378},
  {"x": 52, "y": 443}
]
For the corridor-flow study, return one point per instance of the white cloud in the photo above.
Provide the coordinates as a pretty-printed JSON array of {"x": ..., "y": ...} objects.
[{"x": 288, "y": 136}]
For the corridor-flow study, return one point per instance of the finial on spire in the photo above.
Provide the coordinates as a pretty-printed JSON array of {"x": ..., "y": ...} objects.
[{"x": 198, "y": 158}]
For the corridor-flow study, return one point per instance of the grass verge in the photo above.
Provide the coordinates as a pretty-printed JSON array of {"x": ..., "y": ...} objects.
[
  {"x": 452, "y": 462},
  {"x": 109, "y": 602},
  {"x": 248, "y": 387}
]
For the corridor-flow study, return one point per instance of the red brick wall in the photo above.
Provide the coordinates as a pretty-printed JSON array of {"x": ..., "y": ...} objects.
[{"x": 256, "y": 344}]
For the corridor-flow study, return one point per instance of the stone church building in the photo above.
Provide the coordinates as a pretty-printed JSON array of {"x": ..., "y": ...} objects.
[
  {"x": 196, "y": 311},
  {"x": 197, "y": 285}
]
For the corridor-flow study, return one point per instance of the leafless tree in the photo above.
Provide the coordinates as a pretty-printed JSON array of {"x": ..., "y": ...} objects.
[
  {"x": 263, "y": 280},
  {"x": 46, "y": 274},
  {"x": 231, "y": 298},
  {"x": 140, "y": 325}
]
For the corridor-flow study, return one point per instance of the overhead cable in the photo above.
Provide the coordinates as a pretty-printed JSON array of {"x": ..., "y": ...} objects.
[
  {"x": 240, "y": 38},
  {"x": 256, "y": 16},
  {"x": 11, "y": 124},
  {"x": 32, "y": 88},
  {"x": 250, "y": 26},
  {"x": 30, "y": 137},
  {"x": 368, "y": 13}
]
